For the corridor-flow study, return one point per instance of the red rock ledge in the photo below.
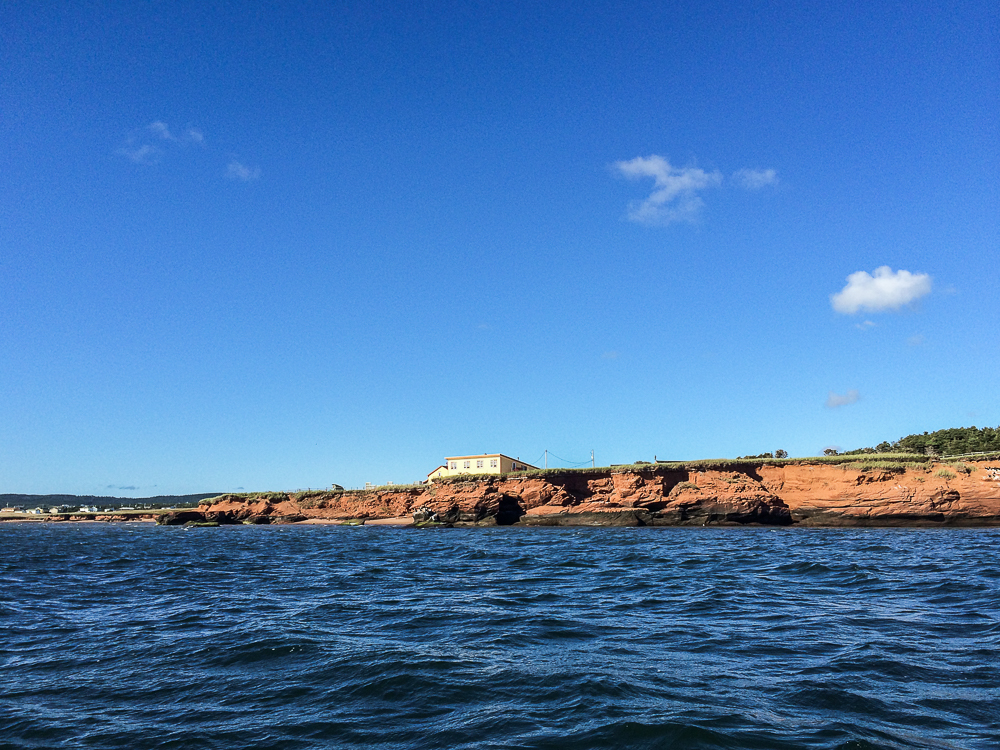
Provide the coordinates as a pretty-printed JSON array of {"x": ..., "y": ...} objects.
[{"x": 770, "y": 493}]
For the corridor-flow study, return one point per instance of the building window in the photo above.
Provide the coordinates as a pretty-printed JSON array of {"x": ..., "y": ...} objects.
[
  {"x": 479, "y": 463},
  {"x": 466, "y": 464},
  {"x": 453, "y": 464},
  {"x": 493, "y": 463}
]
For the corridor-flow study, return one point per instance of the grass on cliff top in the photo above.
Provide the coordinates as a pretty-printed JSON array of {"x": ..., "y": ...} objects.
[
  {"x": 871, "y": 462},
  {"x": 274, "y": 497},
  {"x": 885, "y": 461},
  {"x": 305, "y": 496},
  {"x": 994, "y": 456}
]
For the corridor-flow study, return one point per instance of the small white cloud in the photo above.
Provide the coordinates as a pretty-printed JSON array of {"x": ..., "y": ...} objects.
[
  {"x": 864, "y": 326},
  {"x": 885, "y": 290},
  {"x": 140, "y": 150},
  {"x": 835, "y": 399},
  {"x": 755, "y": 179},
  {"x": 675, "y": 191},
  {"x": 144, "y": 154},
  {"x": 237, "y": 171},
  {"x": 161, "y": 129}
]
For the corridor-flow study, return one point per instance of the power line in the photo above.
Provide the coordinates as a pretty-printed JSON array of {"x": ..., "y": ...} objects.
[{"x": 571, "y": 464}]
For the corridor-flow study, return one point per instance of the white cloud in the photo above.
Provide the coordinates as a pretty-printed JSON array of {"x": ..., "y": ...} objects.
[
  {"x": 755, "y": 179},
  {"x": 141, "y": 151},
  {"x": 161, "y": 129},
  {"x": 864, "y": 326},
  {"x": 835, "y": 399},
  {"x": 237, "y": 171},
  {"x": 886, "y": 290},
  {"x": 675, "y": 191},
  {"x": 144, "y": 154},
  {"x": 191, "y": 135}
]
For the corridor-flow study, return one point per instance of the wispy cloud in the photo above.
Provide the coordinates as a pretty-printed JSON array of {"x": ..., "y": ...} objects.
[
  {"x": 755, "y": 179},
  {"x": 916, "y": 340},
  {"x": 675, "y": 195},
  {"x": 865, "y": 325},
  {"x": 161, "y": 129},
  {"x": 885, "y": 290},
  {"x": 835, "y": 399},
  {"x": 190, "y": 135},
  {"x": 129, "y": 487},
  {"x": 237, "y": 171},
  {"x": 140, "y": 154},
  {"x": 147, "y": 146},
  {"x": 675, "y": 190}
]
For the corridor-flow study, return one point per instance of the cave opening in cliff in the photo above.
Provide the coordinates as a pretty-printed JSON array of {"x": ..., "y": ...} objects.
[{"x": 509, "y": 511}]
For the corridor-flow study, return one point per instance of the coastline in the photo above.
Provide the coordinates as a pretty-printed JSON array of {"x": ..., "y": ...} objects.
[
  {"x": 898, "y": 491},
  {"x": 895, "y": 491}
]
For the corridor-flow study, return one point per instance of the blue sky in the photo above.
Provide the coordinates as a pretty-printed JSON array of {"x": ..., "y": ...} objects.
[{"x": 275, "y": 246}]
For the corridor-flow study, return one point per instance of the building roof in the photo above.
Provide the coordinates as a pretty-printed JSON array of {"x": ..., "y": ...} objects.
[{"x": 490, "y": 455}]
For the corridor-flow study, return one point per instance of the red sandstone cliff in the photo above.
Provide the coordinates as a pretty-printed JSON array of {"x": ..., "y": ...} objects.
[{"x": 799, "y": 493}]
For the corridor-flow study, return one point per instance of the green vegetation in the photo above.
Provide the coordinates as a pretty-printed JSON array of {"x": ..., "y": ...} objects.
[
  {"x": 956, "y": 441},
  {"x": 899, "y": 465},
  {"x": 944, "y": 474},
  {"x": 776, "y": 454},
  {"x": 274, "y": 497}
]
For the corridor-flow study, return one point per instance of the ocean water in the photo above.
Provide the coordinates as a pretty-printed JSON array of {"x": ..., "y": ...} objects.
[{"x": 136, "y": 636}]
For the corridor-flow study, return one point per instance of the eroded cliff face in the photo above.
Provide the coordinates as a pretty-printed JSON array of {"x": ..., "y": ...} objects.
[
  {"x": 802, "y": 494},
  {"x": 831, "y": 496}
]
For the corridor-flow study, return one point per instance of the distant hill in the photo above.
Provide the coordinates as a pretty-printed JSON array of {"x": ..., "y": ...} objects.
[
  {"x": 951, "y": 442},
  {"x": 158, "y": 501}
]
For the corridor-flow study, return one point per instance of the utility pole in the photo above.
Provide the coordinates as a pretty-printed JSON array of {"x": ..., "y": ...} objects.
[
  {"x": 592, "y": 459},
  {"x": 546, "y": 458}
]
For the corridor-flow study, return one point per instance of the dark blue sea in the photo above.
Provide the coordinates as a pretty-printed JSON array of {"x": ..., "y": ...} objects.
[{"x": 138, "y": 636}]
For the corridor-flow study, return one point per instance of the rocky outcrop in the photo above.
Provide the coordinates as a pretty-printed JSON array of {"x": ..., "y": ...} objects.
[
  {"x": 753, "y": 493},
  {"x": 939, "y": 494}
]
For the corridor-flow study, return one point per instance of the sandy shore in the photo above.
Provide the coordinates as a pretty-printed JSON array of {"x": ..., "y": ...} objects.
[{"x": 399, "y": 521}]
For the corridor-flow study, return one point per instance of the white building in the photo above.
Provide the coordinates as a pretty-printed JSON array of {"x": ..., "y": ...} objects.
[{"x": 482, "y": 463}]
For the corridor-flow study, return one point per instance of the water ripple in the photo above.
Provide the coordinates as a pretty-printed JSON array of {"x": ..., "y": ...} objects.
[{"x": 136, "y": 636}]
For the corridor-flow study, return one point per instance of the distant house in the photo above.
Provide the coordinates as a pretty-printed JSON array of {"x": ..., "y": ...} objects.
[
  {"x": 440, "y": 471},
  {"x": 483, "y": 463}
]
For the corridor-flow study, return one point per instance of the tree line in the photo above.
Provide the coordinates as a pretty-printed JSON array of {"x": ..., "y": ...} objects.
[{"x": 950, "y": 442}]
